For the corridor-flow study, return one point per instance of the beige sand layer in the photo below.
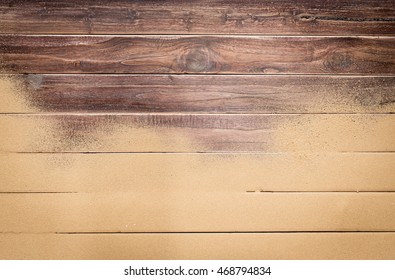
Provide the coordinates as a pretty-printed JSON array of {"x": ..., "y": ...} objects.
[
  {"x": 199, "y": 246},
  {"x": 197, "y": 212},
  {"x": 197, "y": 172}
]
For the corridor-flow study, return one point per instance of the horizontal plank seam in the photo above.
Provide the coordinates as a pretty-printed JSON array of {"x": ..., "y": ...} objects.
[
  {"x": 229, "y": 232},
  {"x": 320, "y": 192},
  {"x": 186, "y": 35},
  {"x": 181, "y": 114},
  {"x": 211, "y": 74},
  {"x": 37, "y": 192},
  {"x": 205, "y": 152},
  {"x": 60, "y": 113},
  {"x": 203, "y": 233},
  {"x": 250, "y": 192},
  {"x": 199, "y": 75}
]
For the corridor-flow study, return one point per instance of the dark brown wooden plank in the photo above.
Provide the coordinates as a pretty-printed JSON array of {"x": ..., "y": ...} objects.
[
  {"x": 198, "y": 17},
  {"x": 286, "y": 246},
  {"x": 196, "y": 212},
  {"x": 197, "y": 172},
  {"x": 197, "y": 133},
  {"x": 197, "y": 54},
  {"x": 196, "y": 93}
]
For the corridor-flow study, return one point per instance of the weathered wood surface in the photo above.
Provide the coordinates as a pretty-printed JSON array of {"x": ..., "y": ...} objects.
[
  {"x": 196, "y": 212},
  {"x": 280, "y": 130},
  {"x": 199, "y": 17},
  {"x": 289, "y": 172},
  {"x": 229, "y": 246},
  {"x": 197, "y": 54},
  {"x": 197, "y": 133},
  {"x": 196, "y": 93}
]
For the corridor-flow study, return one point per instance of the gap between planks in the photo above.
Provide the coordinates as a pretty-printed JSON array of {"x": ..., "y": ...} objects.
[
  {"x": 199, "y": 75},
  {"x": 230, "y": 232},
  {"x": 184, "y": 114},
  {"x": 199, "y": 232},
  {"x": 208, "y": 74},
  {"x": 250, "y": 192},
  {"x": 205, "y": 152},
  {"x": 240, "y": 35}
]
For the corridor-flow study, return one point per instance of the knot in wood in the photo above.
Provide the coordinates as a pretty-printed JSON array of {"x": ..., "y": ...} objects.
[
  {"x": 34, "y": 81},
  {"x": 198, "y": 59},
  {"x": 338, "y": 61}
]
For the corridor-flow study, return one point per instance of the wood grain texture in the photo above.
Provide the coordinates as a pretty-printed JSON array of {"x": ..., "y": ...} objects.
[
  {"x": 196, "y": 93},
  {"x": 285, "y": 246},
  {"x": 111, "y": 173},
  {"x": 196, "y": 212},
  {"x": 197, "y": 133},
  {"x": 198, "y": 17},
  {"x": 197, "y": 54},
  {"x": 197, "y": 129}
]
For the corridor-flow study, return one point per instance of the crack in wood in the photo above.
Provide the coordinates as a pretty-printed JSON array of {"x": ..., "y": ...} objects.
[{"x": 308, "y": 17}]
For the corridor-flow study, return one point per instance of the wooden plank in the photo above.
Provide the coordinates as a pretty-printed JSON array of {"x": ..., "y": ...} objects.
[
  {"x": 197, "y": 17},
  {"x": 196, "y": 93},
  {"x": 196, "y": 212},
  {"x": 197, "y": 54},
  {"x": 194, "y": 172},
  {"x": 197, "y": 133},
  {"x": 364, "y": 246}
]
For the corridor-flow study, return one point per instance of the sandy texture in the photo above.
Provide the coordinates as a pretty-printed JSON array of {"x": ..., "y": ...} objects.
[{"x": 197, "y": 173}]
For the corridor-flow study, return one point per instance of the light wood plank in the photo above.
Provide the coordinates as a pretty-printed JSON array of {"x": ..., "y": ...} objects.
[
  {"x": 196, "y": 93},
  {"x": 207, "y": 16},
  {"x": 197, "y": 54},
  {"x": 196, "y": 212},
  {"x": 196, "y": 172},
  {"x": 197, "y": 133},
  {"x": 284, "y": 246}
]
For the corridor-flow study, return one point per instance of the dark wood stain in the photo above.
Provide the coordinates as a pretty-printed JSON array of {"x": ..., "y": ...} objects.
[
  {"x": 204, "y": 94},
  {"x": 340, "y": 17},
  {"x": 207, "y": 54}
]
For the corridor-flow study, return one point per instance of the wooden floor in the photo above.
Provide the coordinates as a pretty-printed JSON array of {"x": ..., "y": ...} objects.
[{"x": 197, "y": 129}]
